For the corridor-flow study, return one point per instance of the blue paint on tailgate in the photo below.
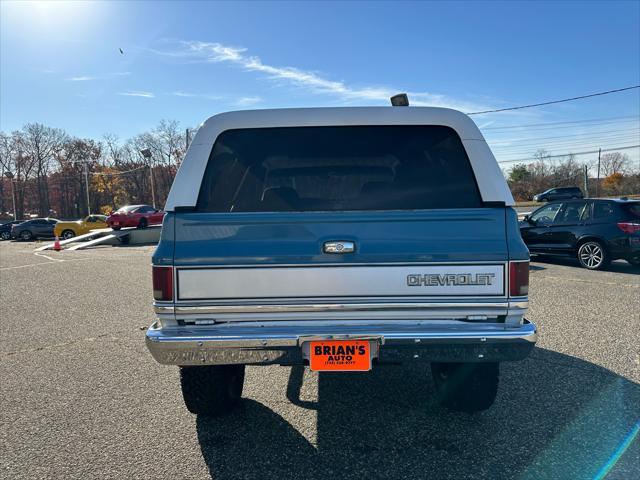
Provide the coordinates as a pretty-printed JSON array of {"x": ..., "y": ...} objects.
[{"x": 460, "y": 235}]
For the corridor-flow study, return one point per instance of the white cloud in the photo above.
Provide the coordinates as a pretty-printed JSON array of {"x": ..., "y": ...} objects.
[
  {"x": 81, "y": 78},
  {"x": 137, "y": 94},
  {"x": 247, "y": 101},
  {"x": 86, "y": 78},
  {"x": 205, "y": 96},
  {"x": 214, "y": 52}
]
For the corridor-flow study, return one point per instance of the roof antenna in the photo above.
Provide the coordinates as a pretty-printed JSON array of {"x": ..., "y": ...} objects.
[{"x": 400, "y": 100}]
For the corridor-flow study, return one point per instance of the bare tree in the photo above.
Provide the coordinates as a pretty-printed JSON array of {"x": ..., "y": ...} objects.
[
  {"x": 614, "y": 162},
  {"x": 41, "y": 143},
  {"x": 18, "y": 164}
]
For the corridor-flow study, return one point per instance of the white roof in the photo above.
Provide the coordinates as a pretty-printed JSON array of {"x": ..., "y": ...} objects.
[{"x": 186, "y": 186}]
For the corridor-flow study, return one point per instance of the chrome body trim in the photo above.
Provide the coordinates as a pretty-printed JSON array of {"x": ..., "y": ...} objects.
[
  {"x": 272, "y": 343},
  {"x": 328, "y": 307},
  {"x": 208, "y": 309}
]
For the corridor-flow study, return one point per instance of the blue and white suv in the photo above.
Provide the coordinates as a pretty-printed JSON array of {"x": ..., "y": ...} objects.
[{"x": 340, "y": 238}]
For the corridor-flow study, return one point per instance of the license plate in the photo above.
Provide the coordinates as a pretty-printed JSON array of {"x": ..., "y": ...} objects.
[{"x": 340, "y": 355}]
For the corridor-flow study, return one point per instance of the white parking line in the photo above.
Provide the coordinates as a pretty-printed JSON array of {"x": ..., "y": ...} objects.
[
  {"x": 51, "y": 262},
  {"x": 38, "y": 254}
]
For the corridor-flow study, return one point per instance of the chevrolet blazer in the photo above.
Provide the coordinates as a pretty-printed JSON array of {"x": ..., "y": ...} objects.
[{"x": 340, "y": 238}]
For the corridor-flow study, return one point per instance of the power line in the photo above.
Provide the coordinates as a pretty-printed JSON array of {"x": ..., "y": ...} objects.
[
  {"x": 119, "y": 173},
  {"x": 582, "y": 145},
  {"x": 589, "y": 134},
  {"x": 569, "y": 140},
  {"x": 554, "y": 128},
  {"x": 571, "y": 153},
  {"x": 590, "y": 120},
  {"x": 556, "y": 101}
]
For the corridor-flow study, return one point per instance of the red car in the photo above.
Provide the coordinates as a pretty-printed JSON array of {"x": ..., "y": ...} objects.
[{"x": 139, "y": 216}]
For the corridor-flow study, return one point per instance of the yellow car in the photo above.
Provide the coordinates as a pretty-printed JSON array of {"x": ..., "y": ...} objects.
[{"x": 68, "y": 230}]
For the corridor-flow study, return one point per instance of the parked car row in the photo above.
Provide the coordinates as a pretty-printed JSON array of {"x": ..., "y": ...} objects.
[
  {"x": 595, "y": 231},
  {"x": 138, "y": 216}
]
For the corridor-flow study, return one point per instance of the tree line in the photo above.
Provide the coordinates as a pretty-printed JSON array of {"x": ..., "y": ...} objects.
[
  {"x": 46, "y": 171},
  {"x": 617, "y": 175}
]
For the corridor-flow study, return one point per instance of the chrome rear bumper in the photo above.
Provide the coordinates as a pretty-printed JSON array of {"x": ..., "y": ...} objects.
[{"x": 264, "y": 344}]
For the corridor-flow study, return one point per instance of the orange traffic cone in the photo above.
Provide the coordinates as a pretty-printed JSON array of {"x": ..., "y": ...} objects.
[{"x": 56, "y": 245}]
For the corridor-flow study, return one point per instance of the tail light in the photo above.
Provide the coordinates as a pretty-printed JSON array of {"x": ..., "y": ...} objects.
[
  {"x": 629, "y": 227},
  {"x": 162, "y": 283},
  {"x": 518, "y": 279}
]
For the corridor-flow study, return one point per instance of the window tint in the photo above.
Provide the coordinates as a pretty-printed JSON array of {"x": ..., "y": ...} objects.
[
  {"x": 586, "y": 212},
  {"x": 632, "y": 208},
  {"x": 570, "y": 212},
  {"x": 145, "y": 209},
  {"x": 546, "y": 215},
  {"x": 128, "y": 208},
  {"x": 602, "y": 210},
  {"x": 338, "y": 168},
  {"x": 38, "y": 222}
]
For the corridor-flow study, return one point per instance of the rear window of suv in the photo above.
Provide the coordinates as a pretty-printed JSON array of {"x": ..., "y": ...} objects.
[
  {"x": 632, "y": 208},
  {"x": 338, "y": 168}
]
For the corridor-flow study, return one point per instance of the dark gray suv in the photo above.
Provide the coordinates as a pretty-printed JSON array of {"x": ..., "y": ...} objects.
[{"x": 559, "y": 193}]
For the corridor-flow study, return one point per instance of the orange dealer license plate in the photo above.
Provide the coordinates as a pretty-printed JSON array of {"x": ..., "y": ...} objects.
[{"x": 340, "y": 355}]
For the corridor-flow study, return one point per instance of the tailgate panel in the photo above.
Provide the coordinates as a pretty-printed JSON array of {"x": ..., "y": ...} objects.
[{"x": 280, "y": 255}]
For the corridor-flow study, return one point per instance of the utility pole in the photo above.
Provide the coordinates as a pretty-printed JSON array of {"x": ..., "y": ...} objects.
[
  {"x": 10, "y": 175},
  {"x": 153, "y": 192},
  {"x": 146, "y": 153},
  {"x": 586, "y": 182},
  {"x": 598, "y": 179},
  {"x": 85, "y": 165}
]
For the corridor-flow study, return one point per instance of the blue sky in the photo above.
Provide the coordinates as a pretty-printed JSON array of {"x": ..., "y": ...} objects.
[{"x": 60, "y": 64}]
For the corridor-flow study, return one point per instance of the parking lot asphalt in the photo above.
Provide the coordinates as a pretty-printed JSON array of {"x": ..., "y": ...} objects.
[{"x": 80, "y": 396}]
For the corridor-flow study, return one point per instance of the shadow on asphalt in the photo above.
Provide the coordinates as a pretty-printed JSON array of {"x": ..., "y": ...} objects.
[
  {"x": 536, "y": 268},
  {"x": 556, "y": 417}
]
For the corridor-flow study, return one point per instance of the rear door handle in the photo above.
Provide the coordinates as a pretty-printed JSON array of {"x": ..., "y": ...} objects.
[{"x": 339, "y": 246}]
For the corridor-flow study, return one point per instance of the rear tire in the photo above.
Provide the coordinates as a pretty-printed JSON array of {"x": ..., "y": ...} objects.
[
  {"x": 213, "y": 390},
  {"x": 5, "y": 235},
  {"x": 67, "y": 234},
  {"x": 26, "y": 235},
  {"x": 116, "y": 228},
  {"x": 592, "y": 255},
  {"x": 466, "y": 387}
]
